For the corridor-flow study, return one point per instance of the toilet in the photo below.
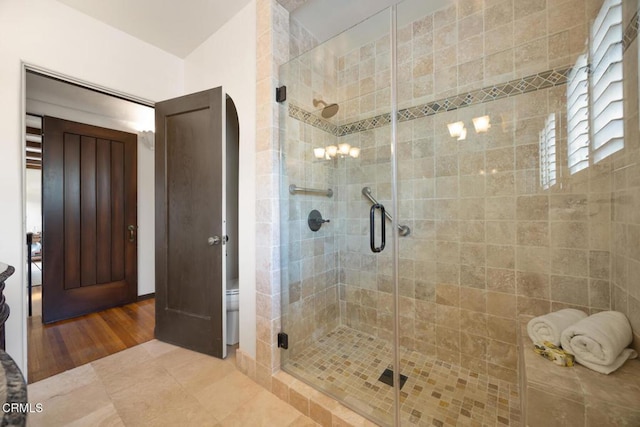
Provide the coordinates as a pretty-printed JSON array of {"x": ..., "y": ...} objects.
[{"x": 233, "y": 306}]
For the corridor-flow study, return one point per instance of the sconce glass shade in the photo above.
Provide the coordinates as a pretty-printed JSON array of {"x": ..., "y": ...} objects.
[
  {"x": 148, "y": 139},
  {"x": 332, "y": 150},
  {"x": 318, "y": 153},
  {"x": 344, "y": 148},
  {"x": 354, "y": 152},
  {"x": 455, "y": 129},
  {"x": 482, "y": 124},
  {"x": 463, "y": 134}
]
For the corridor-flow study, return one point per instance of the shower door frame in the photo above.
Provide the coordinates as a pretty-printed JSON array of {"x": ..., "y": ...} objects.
[{"x": 394, "y": 247}]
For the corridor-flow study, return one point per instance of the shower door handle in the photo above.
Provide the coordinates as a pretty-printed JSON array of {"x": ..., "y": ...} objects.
[{"x": 372, "y": 228}]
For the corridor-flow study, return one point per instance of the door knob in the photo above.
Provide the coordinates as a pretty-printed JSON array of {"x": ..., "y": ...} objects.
[
  {"x": 132, "y": 230},
  {"x": 215, "y": 240}
]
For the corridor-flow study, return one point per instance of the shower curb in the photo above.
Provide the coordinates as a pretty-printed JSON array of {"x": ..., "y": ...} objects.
[{"x": 320, "y": 407}]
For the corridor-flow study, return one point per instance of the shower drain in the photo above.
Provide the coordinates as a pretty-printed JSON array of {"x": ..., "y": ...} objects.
[{"x": 387, "y": 378}]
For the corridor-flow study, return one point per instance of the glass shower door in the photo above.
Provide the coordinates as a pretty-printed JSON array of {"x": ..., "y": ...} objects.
[{"x": 337, "y": 245}]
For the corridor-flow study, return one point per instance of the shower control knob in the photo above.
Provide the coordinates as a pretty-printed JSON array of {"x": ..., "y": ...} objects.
[{"x": 315, "y": 220}]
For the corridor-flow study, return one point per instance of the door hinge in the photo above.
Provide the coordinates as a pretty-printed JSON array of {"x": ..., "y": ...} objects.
[
  {"x": 283, "y": 340},
  {"x": 281, "y": 94}
]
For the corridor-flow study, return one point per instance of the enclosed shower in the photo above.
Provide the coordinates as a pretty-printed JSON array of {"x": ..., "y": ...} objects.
[{"x": 474, "y": 167}]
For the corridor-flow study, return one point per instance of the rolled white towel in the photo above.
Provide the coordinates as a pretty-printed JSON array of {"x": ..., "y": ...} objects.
[
  {"x": 550, "y": 326},
  {"x": 599, "y": 342}
]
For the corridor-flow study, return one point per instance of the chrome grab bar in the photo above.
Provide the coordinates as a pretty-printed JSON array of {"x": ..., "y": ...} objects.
[
  {"x": 403, "y": 230},
  {"x": 293, "y": 189}
]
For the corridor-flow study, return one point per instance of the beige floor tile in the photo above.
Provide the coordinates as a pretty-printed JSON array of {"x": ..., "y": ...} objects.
[
  {"x": 228, "y": 394},
  {"x": 64, "y": 409},
  {"x": 180, "y": 357},
  {"x": 157, "y": 384},
  {"x": 188, "y": 413},
  {"x": 157, "y": 348},
  {"x": 116, "y": 363},
  {"x": 115, "y": 382},
  {"x": 201, "y": 373},
  {"x": 264, "y": 409},
  {"x": 434, "y": 391},
  {"x": 106, "y": 416},
  {"x": 303, "y": 421},
  {"x": 143, "y": 401},
  {"x": 61, "y": 384}
]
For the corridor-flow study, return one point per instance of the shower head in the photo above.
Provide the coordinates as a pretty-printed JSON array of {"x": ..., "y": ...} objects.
[{"x": 329, "y": 110}]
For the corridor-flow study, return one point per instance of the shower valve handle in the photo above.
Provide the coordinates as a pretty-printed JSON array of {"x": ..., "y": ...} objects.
[{"x": 315, "y": 220}]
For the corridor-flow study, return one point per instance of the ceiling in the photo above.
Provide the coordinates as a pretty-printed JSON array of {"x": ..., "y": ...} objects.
[
  {"x": 179, "y": 27},
  {"x": 292, "y": 5},
  {"x": 175, "y": 26}
]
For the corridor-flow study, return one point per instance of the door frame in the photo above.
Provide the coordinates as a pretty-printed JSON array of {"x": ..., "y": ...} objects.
[{"x": 25, "y": 67}]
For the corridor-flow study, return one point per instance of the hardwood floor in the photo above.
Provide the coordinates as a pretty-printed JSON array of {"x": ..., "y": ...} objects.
[{"x": 64, "y": 345}]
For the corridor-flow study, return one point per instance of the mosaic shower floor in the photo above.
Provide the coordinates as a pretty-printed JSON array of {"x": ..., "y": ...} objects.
[{"x": 348, "y": 364}]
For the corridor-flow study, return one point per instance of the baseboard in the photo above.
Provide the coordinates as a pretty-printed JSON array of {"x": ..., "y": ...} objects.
[{"x": 146, "y": 296}]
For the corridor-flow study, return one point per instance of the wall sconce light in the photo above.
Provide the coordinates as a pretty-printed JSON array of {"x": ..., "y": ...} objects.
[
  {"x": 332, "y": 151},
  {"x": 319, "y": 153},
  {"x": 455, "y": 129},
  {"x": 147, "y": 138},
  {"x": 344, "y": 148},
  {"x": 481, "y": 124}
]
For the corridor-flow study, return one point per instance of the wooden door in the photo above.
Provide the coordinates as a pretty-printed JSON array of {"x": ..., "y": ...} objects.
[
  {"x": 89, "y": 209},
  {"x": 189, "y": 222}
]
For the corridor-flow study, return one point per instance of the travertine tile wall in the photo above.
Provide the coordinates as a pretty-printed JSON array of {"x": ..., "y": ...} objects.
[
  {"x": 272, "y": 34},
  {"x": 300, "y": 39},
  {"x": 468, "y": 45},
  {"x": 309, "y": 263},
  {"x": 626, "y": 196},
  {"x": 487, "y": 242}
]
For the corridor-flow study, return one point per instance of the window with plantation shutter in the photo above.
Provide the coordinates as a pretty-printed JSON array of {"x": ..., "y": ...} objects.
[
  {"x": 548, "y": 153},
  {"x": 578, "y": 115},
  {"x": 606, "y": 90}
]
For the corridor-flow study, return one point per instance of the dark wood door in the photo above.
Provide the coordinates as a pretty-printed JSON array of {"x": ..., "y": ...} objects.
[
  {"x": 89, "y": 209},
  {"x": 189, "y": 222}
]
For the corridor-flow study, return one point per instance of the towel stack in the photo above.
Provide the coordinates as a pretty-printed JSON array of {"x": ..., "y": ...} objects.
[{"x": 598, "y": 342}]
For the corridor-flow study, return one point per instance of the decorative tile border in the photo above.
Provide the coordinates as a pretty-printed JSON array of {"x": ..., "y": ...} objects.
[
  {"x": 311, "y": 119},
  {"x": 631, "y": 32},
  {"x": 366, "y": 124},
  {"x": 527, "y": 84},
  {"x": 520, "y": 86}
]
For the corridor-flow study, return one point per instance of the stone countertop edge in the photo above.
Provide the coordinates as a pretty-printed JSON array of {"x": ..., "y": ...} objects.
[
  {"x": 16, "y": 391},
  {"x": 6, "y": 273}
]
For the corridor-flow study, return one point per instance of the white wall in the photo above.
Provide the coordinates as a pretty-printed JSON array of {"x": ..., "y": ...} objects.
[
  {"x": 33, "y": 189},
  {"x": 228, "y": 59},
  {"x": 53, "y": 36}
]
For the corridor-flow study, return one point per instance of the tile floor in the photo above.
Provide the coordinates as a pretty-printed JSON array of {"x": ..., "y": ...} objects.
[
  {"x": 348, "y": 363},
  {"x": 157, "y": 384}
]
